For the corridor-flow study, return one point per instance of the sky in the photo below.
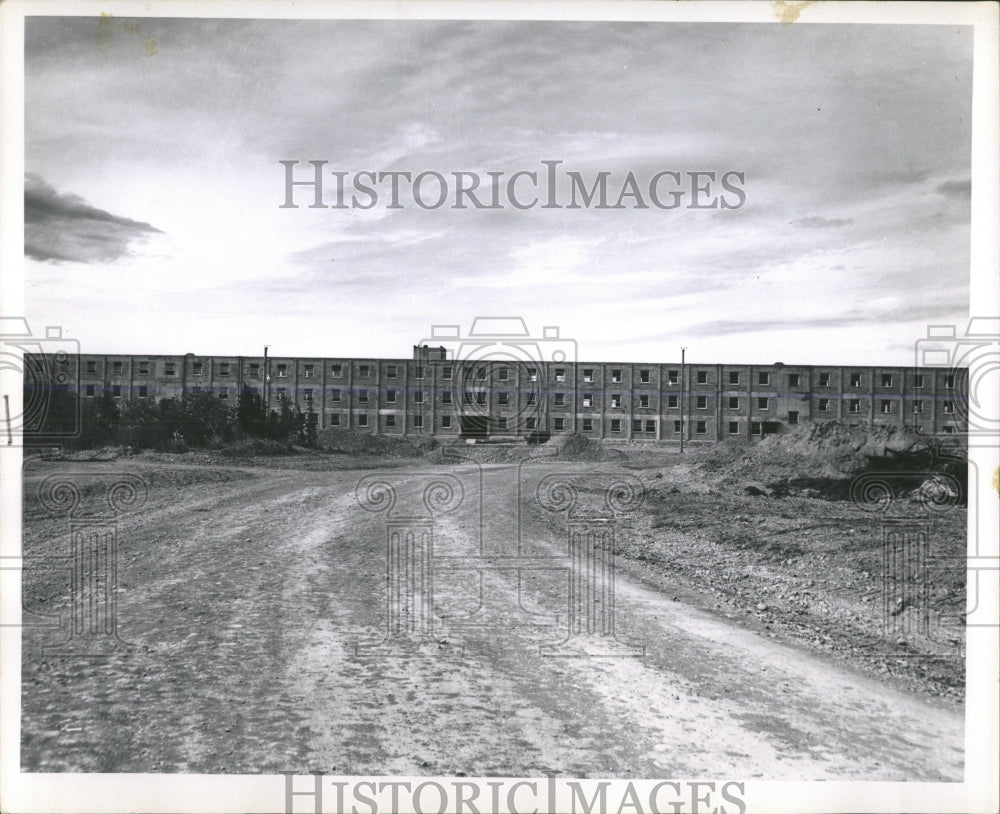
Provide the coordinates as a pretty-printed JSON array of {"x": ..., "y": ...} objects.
[{"x": 153, "y": 188}]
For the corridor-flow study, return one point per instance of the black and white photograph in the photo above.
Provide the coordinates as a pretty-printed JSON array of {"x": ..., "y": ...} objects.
[{"x": 499, "y": 407}]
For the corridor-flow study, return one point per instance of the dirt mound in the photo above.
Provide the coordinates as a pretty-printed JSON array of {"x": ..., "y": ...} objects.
[
  {"x": 352, "y": 442},
  {"x": 256, "y": 446},
  {"x": 823, "y": 458},
  {"x": 577, "y": 447}
]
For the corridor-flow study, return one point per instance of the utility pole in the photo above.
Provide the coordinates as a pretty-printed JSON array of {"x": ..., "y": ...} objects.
[
  {"x": 683, "y": 397},
  {"x": 267, "y": 382}
]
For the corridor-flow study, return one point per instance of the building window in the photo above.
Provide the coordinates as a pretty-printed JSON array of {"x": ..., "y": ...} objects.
[
  {"x": 362, "y": 395},
  {"x": 282, "y": 371},
  {"x": 793, "y": 379},
  {"x": 364, "y": 371},
  {"x": 734, "y": 377},
  {"x": 116, "y": 392},
  {"x": 308, "y": 371},
  {"x": 335, "y": 420},
  {"x": 918, "y": 406},
  {"x": 588, "y": 425},
  {"x": 337, "y": 371},
  {"x": 885, "y": 407},
  {"x": 503, "y": 398},
  {"x": 223, "y": 394},
  {"x": 588, "y": 374},
  {"x": 793, "y": 417},
  {"x": 481, "y": 374},
  {"x": 854, "y": 406},
  {"x": 502, "y": 422},
  {"x": 446, "y": 373},
  {"x": 673, "y": 376},
  {"x": 307, "y": 394},
  {"x": 390, "y": 396},
  {"x": 824, "y": 405},
  {"x": 702, "y": 402},
  {"x": 677, "y": 426},
  {"x": 418, "y": 372},
  {"x": 763, "y": 378},
  {"x": 700, "y": 427},
  {"x": 362, "y": 420},
  {"x": 755, "y": 428},
  {"x": 503, "y": 374},
  {"x": 588, "y": 399},
  {"x": 616, "y": 425},
  {"x": 644, "y": 376},
  {"x": 644, "y": 401},
  {"x": 116, "y": 368},
  {"x": 702, "y": 377},
  {"x": 734, "y": 427},
  {"x": 90, "y": 390},
  {"x": 762, "y": 403},
  {"x": 558, "y": 424},
  {"x": 446, "y": 422},
  {"x": 529, "y": 423},
  {"x": 855, "y": 380},
  {"x": 949, "y": 408},
  {"x": 532, "y": 374},
  {"x": 918, "y": 380},
  {"x": 636, "y": 425},
  {"x": 560, "y": 374},
  {"x": 143, "y": 368},
  {"x": 446, "y": 397},
  {"x": 169, "y": 369},
  {"x": 672, "y": 401},
  {"x": 560, "y": 399},
  {"x": 616, "y": 375},
  {"x": 390, "y": 421},
  {"x": 335, "y": 395},
  {"x": 650, "y": 426},
  {"x": 143, "y": 391},
  {"x": 480, "y": 398},
  {"x": 530, "y": 399},
  {"x": 734, "y": 402},
  {"x": 254, "y": 369},
  {"x": 948, "y": 430},
  {"x": 224, "y": 368},
  {"x": 949, "y": 381},
  {"x": 887, "y": 380},
  {"x": 391, "y": 372},
  {"x": 616, "y": 400},
  {"x": 279, "y": 392},
  {"x": 92, "y": 367},
  {"x": 824, "y": 379},
  {"x": 418, "y": 396}
]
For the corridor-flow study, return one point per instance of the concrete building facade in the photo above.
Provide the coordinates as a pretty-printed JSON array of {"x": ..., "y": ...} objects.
[{"x": 434, "y": 395}]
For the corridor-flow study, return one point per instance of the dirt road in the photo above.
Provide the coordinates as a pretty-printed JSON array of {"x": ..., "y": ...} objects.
[{"x": 244, "y": 594}]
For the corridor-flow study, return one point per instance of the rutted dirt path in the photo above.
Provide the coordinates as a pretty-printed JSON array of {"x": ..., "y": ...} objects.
[{"x": 244, "y": 598}]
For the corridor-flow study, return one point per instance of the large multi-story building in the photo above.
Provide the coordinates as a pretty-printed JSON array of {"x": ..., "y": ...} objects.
[{"x": 435, "y": 394}]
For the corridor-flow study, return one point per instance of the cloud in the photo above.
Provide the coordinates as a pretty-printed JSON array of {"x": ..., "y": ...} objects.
[
  {"x": 956, "y": 188},
  {"x": 65, "y": 228},
  {"x": 824, "y": 223}
]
